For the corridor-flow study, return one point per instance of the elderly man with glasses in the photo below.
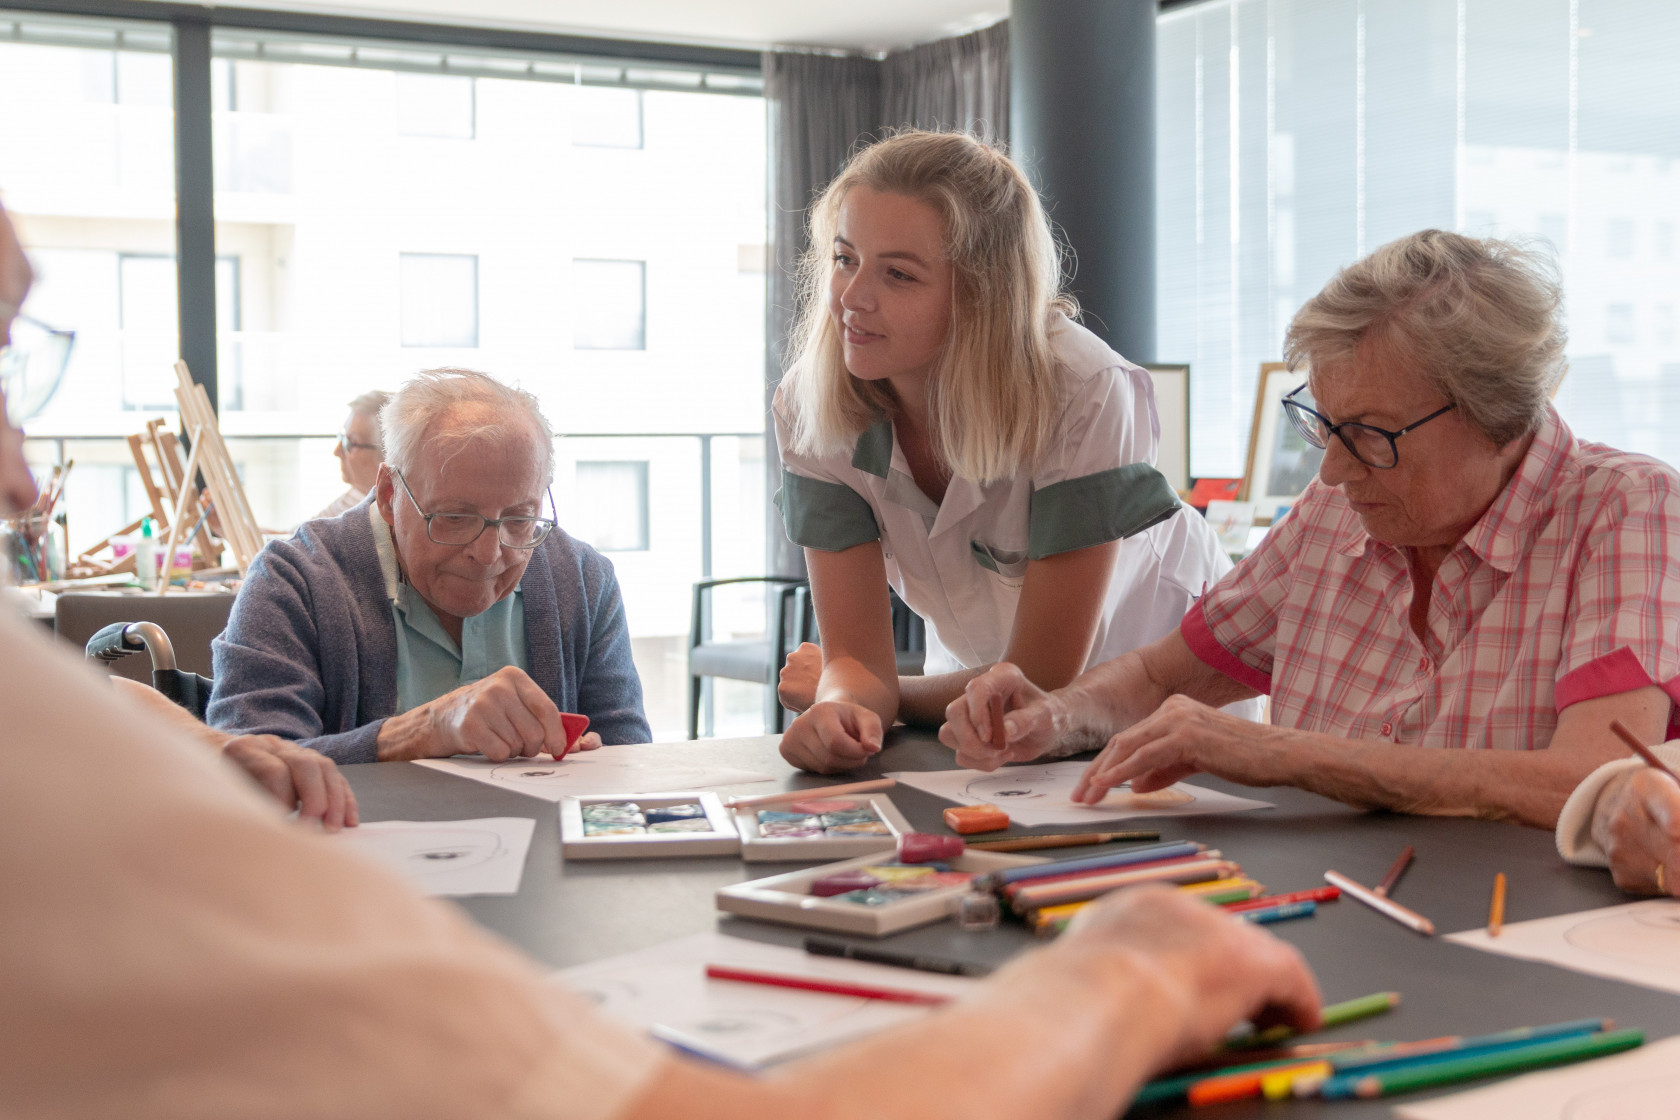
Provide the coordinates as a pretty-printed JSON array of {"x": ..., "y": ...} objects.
[
  {"x": 1465, "y": 575},
  {"x": 359, "y": 449},
  {"x": 447, "y": 616}
]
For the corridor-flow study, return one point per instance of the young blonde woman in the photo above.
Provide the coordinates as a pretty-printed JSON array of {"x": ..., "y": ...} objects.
[{"x": 948, "y": 429}]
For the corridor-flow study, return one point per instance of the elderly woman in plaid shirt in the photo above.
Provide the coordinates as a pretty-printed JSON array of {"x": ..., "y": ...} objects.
[{"x": 1464, "y": 575}]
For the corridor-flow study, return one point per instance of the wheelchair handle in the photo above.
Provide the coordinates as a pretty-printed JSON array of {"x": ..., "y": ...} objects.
[{"x": 120, "y": 639}]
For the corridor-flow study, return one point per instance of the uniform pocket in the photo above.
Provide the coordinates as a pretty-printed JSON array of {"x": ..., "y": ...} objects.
[{"x": 1008, "y": 563}]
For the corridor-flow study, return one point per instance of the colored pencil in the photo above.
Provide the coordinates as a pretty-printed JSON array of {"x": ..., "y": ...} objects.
[
  {"x": 1145, "y": 854},
  {"x": 1058, "y": 840},
  {"x": 1243, "y": 1086},
  {"x": 1315, "y": 894},
  {"x": 1403, "y": 861},
  {"x": 1532, "y": 1056},
  {"x": 1281, "y": 913},
  {"x": 1053, "y": 919},
  {"x": 1167, "y": 1089},
  {"x": 1011, "y": 889},
  {"x": 1033, "y": 896},
  {"x": 830, "y": 987},
  {"x": 1496, "y": 908},
  {"x": 824, "y": 947},
  {"x": 1330, "y": 1015},
  {"x": 1282, "y": 1084},
  {"x": 1350, "y": 1068},
  {"x": 1641, "y": 749},
  {"x": 1220, "y": 1062},
  {"x": 812, "y": 793},
  {"x": 1384, "y": 906}
]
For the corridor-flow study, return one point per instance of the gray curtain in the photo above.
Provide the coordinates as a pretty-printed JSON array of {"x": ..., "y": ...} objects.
[{"x": 822, "y": 108}]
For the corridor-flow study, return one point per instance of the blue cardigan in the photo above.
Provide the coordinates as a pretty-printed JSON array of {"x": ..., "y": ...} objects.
[{"x": 310, "y": 650}]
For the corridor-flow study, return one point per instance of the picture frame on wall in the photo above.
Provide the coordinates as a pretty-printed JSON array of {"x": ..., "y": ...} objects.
[
  {"x": 1280, "y": 462},
  {"x": 1172, "y": 405}
]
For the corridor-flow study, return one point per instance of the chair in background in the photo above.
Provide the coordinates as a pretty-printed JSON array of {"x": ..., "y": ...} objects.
[
  {"x": 752, "y": 659},
  {"x": 190, "y": 618}
]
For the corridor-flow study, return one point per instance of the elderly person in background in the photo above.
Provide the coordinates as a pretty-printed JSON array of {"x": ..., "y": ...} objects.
[
  {"x": 448, "y": 616},
  {"x": 360, "y": 447},
  {"x": 1626, "y": 816},
  {"x": 1465, "y": 576}
]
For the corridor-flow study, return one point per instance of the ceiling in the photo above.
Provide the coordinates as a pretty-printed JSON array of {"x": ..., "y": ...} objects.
[{"x": 864, "y": 25}]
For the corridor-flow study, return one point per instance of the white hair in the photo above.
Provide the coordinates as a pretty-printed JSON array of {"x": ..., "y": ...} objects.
[
  {"x": 370, "y": 404},
  {"x": 507, "y": 413}
]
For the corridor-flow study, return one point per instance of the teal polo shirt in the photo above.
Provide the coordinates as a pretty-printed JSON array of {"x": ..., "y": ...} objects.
[{"x": 429, "y": 662}]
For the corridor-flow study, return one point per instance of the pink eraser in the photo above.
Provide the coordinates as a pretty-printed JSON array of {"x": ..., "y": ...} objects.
[{"x": 923, "y": 847}]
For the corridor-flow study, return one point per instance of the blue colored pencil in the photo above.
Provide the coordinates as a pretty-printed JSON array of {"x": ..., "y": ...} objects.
[
  {"x": 1279, "y": 913},
  {"x": 1353, "y": 1069},
  {"x": 1092, "y": 863}
]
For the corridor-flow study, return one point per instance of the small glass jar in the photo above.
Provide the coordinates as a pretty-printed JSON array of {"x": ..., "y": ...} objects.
[{"x": 979, "y": 911}]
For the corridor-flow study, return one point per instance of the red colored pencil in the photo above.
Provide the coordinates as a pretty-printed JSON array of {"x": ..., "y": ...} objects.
[
  {"x": 831, "y": 987},
  {"x": 1316, "y": 894}
]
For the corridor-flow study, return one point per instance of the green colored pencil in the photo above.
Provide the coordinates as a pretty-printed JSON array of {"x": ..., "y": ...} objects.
[
  {"x": 1556, "y": 1052},
  {"x": 1332, "y": 1015}
]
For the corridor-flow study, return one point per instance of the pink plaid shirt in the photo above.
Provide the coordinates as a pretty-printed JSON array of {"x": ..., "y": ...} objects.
[{"x": 1567, "y": 589}]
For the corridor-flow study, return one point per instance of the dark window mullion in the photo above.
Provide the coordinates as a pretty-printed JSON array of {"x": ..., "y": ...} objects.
[{"x": 195, "y": 203}]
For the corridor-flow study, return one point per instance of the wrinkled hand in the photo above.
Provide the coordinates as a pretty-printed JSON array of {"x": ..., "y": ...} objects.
[
  {"x": 832, "y": 737},
  {"x": 1033, "y": 721},
  {"x": 297, "y": 777},
  {"x": 797, "y": 686},
  {"x": 505, "y": 715},
  {"x": 1180, "y": 738},
  {"x": 1644, "y": 832},
  {"x": 1216, "y": 970},
  {"x": 588, "y": 741}
]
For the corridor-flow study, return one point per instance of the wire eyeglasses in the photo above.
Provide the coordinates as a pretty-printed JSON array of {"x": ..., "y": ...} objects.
[
  {"x": 31, "y": 366},
  {"x": 1373, "y": 446},
  {"x": 465, "y": 528}
]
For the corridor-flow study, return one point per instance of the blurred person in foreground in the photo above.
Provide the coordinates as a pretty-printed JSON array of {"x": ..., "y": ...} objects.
[{"x": 170, "y": 948}]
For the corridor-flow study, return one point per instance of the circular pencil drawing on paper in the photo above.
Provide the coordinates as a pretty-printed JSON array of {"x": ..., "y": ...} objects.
[
  {"x": 1647, "y": 936},
  {"x": 435, "y": 850},
  {"x": 1654, "y": 1098},
  {"x": 1036, "y": 785}
]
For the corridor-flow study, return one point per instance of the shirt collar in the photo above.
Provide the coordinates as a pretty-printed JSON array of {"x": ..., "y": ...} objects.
[
  {"x": 1504, "y": 532},
  {"x": 874, "y": 451},
  {"x": 387, "y": 550}
]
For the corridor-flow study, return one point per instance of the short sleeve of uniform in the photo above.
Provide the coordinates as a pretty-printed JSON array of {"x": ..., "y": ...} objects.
[
  {"x": 1233, "y": 628},
  {"x": 1098, "y": 482},
  {"x": 1622, "y": 628},
  {"x": 819, "y": 509}
]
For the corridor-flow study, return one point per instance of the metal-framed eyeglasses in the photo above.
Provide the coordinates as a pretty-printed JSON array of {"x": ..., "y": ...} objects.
[
  {"x": 347, "y": 445},
  {"x": 465, "y": 528},
  {"x": 32, "y": 365},
  {"x": 1373, "y": 446}
]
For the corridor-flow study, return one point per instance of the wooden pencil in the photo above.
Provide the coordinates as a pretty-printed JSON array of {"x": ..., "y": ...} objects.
[{"x": 1496, "y": 908}]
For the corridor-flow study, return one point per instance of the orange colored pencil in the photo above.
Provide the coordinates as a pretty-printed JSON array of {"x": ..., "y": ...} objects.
[{"x": 1496, "y": 909}]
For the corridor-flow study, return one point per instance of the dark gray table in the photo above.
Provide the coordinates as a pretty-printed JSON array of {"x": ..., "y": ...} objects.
[{"x": 565, "y": 915}]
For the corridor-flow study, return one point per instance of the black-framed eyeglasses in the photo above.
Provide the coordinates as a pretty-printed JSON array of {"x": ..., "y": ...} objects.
[
  {"x": 465, "y": 528},
  {"x": 1373, "y": 446},
  {"x": 32, "y": 365}
]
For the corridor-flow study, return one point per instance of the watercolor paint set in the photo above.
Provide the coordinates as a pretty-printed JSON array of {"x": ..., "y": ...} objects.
[
  {"x": 873, "y": 895},
  {"x": 646, "y": 826},
  {"x": 819, "y": 828}
]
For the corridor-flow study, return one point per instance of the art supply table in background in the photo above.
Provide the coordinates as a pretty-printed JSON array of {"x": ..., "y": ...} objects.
[{"x": 571, "y": 914}]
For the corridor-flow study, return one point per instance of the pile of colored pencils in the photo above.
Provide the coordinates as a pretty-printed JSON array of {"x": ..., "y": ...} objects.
[
  {"x": 1046, "y": 896},
  {"x": 1341, "y": 1071}
]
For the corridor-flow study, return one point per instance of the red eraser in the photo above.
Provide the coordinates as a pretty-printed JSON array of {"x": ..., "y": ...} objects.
[
  {"x": 574, "y": 726},
  {"x": 923, "y": 847}
]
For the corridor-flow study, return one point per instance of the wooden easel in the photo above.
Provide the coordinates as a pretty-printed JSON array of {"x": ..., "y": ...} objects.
[{"x": 238, "y": 525}]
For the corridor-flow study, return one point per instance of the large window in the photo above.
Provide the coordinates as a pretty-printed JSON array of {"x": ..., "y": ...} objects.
[
  {"x": 1297, "y": 135},
  {"x": 382, "y": 208}
]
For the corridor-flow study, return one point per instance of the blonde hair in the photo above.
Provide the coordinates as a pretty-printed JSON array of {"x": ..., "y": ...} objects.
[
  {"x": 994, "y": 391},
  {"x": 508, "y": 413},
  {"x": 1481, "y": 319}
]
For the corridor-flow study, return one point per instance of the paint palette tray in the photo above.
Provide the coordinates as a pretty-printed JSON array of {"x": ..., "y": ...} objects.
[
  {"x": 787, "y": 898},
  {"x": 819, "y": 828},
  {"x": 646, "y": 826}
]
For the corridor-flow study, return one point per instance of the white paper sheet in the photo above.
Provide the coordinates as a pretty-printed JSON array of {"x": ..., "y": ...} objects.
[
  {"x": 623, "y": 769},
  {"x": 1038, "y": 795},
  {"x": 664, "y": 989},
  {"x": 1638, "y": 942},
  {"x": 449, "y": 858},
  {"x": 1642, "y": 1084}
]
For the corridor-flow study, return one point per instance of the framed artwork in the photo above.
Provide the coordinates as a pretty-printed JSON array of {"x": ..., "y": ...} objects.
[
  {"x": 1172, "y": 405},
  {"x": 1280, "y": 462}
]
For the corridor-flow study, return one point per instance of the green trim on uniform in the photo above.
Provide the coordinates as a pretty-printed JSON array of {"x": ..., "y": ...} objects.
[
  {"x": 1097, "y": 508},
  {"x": 873, "y": 454},
  {"x": 827, "y": 516},
  {"x": 982, "y": 557}
]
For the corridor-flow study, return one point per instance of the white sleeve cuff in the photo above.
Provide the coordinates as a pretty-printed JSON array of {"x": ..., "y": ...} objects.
[{"x": 1575, "y": 841}]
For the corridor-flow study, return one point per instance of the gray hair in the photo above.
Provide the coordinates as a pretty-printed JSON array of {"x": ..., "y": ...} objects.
[
  {"x": 1482, "y": 320},
  {"x": 371, "y": 404},
  {"x": 431, "y": 393}
]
